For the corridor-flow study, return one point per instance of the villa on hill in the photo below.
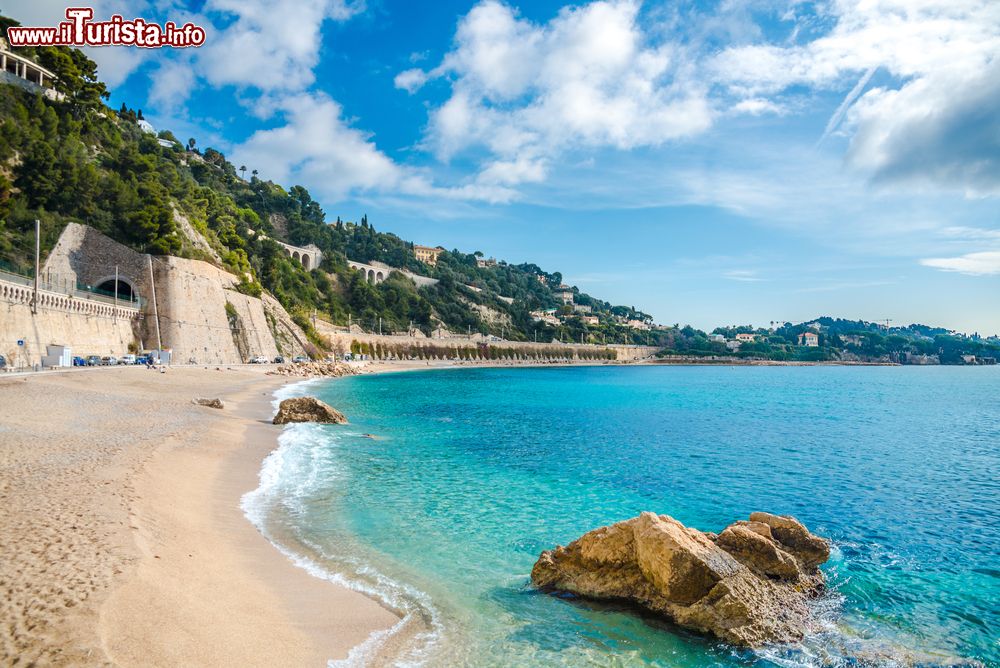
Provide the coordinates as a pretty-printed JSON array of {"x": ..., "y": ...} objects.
[
  {"x": 428, "y": 255},
  {"x": 17, "y": 70},
  {"x": 809, "y": 339}
]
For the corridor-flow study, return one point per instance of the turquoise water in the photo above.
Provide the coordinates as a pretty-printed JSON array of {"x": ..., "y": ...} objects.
[{"x": 473, "y": 472}]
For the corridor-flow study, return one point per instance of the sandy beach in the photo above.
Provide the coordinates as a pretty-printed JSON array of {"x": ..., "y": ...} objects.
[{"x": 123, "y": 540}]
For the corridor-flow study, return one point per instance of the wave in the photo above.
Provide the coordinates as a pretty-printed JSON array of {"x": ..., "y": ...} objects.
[
  {"x": 299, "y": 467},
  {"x": 293, "y": 390}
]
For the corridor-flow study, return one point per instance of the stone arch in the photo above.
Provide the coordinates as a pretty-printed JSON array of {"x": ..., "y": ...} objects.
[
  {"x": 127, "y": 290},
  {"x": 306, "y": 261},
  {"x": 371, "y": 275},
  {"x": 379, "y": 277},
  {"x": 295, "y": 256}
]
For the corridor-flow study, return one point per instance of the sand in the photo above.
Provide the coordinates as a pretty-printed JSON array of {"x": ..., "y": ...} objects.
[{"x": 121, "y": 537}]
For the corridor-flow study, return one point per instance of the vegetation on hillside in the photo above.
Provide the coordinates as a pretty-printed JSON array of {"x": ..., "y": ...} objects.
[
  {"x": 837, "y": 339},
  {"x": 79, "y": 160}
]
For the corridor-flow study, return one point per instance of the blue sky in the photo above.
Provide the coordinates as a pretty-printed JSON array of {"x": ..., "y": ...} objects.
[{"x": 711, "y": 163}]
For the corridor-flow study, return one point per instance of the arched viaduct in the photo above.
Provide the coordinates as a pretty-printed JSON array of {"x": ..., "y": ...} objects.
[{"x": 309, "y": 256}]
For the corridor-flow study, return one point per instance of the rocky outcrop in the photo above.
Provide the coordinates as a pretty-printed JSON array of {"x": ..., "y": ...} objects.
[
  {"x": 748, "y": 585},
  {"x": 210, "y": 403},
  {"x": 315, "y": 369},
  {"x": 307, "y": 409}
]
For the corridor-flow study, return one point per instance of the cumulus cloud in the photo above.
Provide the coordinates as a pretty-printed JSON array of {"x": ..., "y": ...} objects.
[
  {"x": 315, "y": 145},
  {"x": 986, "y": 263},
  {"x": 171, "y": 84},
  {"x": 943, "y": 128},
  {"x": 935, "y": 123},
  {"x": 526, "y": 93},
  {"x": 268, "y": 45},
  {"x": 410, "y": 80}
]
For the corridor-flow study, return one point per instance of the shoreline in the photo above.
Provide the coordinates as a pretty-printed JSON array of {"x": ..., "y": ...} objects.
[{"x": 125, "y": 540}]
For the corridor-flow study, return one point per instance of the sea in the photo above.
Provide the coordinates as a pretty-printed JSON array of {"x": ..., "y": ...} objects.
[{"x": 447, "y": 484}]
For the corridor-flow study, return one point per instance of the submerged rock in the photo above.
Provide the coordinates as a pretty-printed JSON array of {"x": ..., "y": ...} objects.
[
  {"x": 307, "y": 409},
  {"x": 748, "y": 585}
]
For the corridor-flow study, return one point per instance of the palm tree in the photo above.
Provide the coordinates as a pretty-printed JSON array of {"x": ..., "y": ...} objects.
[
  {"x": 243, "y": 172},
  {"x": 191, "y": 143},
  {"x": 253, "y": 174}
]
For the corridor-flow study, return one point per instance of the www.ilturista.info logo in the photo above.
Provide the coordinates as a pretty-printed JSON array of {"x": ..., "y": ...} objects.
[{"x": 79, "y": 30}]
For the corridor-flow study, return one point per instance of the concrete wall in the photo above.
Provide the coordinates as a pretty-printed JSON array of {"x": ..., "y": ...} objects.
[
  {"x": 87, "y": 327},
  {"x": 342, "y": 339},
  {"x": 185, "y": 298}
]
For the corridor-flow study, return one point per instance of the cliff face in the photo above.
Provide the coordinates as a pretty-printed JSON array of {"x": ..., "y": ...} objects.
[{"x": 183, "y": 306}]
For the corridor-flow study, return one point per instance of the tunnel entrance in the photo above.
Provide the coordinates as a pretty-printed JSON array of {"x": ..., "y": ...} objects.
[{"x": 125, "y": 290}]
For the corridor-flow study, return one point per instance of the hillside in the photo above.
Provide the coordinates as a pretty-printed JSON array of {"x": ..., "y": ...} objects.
[
  {"x": 78, "y": 160},
  {"x": 836, "y": 340}
]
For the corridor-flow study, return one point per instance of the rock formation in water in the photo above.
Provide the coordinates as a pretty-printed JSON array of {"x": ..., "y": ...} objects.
[
  {"x": 748, "y": 585},
  {"x": 307, "y": 409}
]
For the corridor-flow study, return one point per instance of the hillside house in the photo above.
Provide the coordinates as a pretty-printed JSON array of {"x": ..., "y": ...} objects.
[
  {"x": 428, "y": 255},
  {"x": 809, "y": 339}
]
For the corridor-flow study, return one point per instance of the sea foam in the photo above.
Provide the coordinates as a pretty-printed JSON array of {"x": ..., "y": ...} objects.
[{"x": 300, "y": 466}]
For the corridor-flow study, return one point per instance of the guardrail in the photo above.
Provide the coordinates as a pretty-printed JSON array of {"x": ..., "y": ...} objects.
[{"x": 73, "y": 290}]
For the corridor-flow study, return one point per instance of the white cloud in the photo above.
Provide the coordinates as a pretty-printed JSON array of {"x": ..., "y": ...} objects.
[
  {"x": 269, "y": 45},
  {"x": 171, "y": 85},
  {"x": 758, "y": 106},
  {"x": 317, "y": 147},
  {"x": 933, "y": 123},
  {"x": 410, "y": 80},
  {"x": 943, "y": 128},
  {"x": 527, "y": 93},
  {"x": 986, "y": 263}
]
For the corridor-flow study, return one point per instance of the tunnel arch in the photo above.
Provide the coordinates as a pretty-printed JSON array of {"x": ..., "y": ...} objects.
[{"x": 127, "y": 290}]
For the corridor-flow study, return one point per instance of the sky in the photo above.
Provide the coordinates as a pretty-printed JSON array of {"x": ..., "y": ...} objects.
[{"x": 712, "y": 163}]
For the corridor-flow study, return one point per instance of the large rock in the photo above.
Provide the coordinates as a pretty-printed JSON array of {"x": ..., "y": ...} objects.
[
  {"x": 307, "y": 409},
  {"x": 746, "y": 586}
]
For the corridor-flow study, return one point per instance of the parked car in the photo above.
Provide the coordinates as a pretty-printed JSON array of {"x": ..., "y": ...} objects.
[
  {"x": 300, "y": 359},
  {"x": 126, "y": 359},
  {"x": 142, "y": 359},
  {"x": 3, "y": 362},
  {"x": 109, "y": 360},
  {"x": 79, "y": 361},
  {"x": 93, "y": 360},
  {"x": 279, "y": 360},
  {"x": 260, "y": 359}
]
